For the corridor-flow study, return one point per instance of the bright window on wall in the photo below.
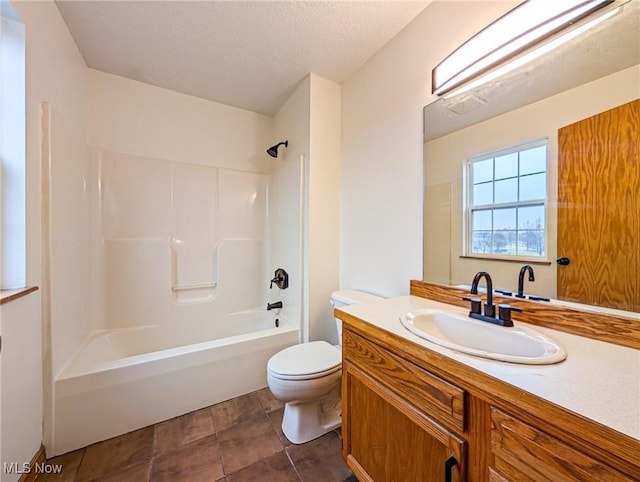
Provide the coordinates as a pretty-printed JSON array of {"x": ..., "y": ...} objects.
[
  {"x": 506, "y": 202},
  {"x": 12, "y": 149}
]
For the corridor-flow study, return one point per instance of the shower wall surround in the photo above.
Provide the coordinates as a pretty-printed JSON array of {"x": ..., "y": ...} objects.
[{"x": 179, "y": 240}]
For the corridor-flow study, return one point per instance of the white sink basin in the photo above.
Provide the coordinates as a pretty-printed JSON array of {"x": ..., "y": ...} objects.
[{"x": 458, "y": 332}]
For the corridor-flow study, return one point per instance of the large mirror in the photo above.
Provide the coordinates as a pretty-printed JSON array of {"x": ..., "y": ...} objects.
[{"x": 541, "y": 114}]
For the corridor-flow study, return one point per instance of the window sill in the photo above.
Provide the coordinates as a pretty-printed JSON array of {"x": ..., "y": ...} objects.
[
  {"x": 14, "y": 294},
  {"x": 509, "y": 259}
]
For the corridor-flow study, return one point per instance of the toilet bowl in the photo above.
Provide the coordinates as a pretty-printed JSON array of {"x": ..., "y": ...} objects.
[
  {"x": 307, "y": 378},
  {"x": 304, "y": 376}
]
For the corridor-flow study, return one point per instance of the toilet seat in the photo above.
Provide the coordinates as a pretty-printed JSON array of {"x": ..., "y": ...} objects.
[{"x": 305, "y": 361}]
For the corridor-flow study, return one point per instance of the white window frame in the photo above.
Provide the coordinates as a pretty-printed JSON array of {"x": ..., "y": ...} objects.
[
  {"x": 469, "y": 207},
  {"x": 12, "y": 149}
]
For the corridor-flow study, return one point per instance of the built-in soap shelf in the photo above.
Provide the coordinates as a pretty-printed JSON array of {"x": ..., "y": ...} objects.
[{"x": 194, "y": 273}]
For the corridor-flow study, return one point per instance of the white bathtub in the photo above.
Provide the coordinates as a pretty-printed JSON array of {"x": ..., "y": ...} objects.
[{"x": 122, "y": 380}]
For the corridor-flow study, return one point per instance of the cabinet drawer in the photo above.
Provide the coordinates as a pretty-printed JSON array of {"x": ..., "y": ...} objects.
[
  {"x": 427, "y": 392},
  {"x": 524, "y": 453}
]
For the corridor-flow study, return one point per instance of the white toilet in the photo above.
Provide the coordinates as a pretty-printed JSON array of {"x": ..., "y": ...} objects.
[{"x": 307, "y": 378}]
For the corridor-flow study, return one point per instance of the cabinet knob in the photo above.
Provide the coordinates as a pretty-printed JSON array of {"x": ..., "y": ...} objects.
[{"x": 563, "y": 261}]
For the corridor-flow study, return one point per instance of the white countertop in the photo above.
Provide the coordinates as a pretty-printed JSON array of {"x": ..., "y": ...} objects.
[{"x": 598, "y": 380}]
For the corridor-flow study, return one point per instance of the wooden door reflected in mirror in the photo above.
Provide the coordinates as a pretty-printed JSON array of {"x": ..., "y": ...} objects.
[{"x": 599, "y": 209}]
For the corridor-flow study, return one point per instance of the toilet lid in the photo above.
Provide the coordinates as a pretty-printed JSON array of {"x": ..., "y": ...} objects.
[{"x": 305, "y": 359}]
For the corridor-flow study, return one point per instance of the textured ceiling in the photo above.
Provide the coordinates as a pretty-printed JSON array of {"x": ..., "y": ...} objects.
[{"x": 248, "y": 54}]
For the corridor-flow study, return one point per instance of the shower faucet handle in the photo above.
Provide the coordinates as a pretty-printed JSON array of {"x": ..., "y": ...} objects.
[
  {"x": 281, "y": 279},
  {"x": 275, "y": 280}
]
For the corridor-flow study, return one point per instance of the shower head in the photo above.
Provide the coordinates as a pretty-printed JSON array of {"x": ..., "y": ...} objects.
[{"x": 273, "y": 150}]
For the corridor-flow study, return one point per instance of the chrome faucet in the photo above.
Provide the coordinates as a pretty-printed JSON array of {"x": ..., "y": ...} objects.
[
  {"x": 523, "y": 271},
  {"x": 504, "y": 310}
]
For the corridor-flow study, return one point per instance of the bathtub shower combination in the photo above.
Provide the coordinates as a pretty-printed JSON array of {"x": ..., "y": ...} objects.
[
  {"x": 180, "y": 266},
  {"x": 123, "y": 380}
]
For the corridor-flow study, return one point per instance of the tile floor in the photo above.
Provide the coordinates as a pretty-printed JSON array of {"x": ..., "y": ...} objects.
[{"x": 235, "y": 441}]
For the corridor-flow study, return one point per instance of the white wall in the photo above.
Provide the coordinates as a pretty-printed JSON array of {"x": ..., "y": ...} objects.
[
  {"x": 55, "y": 73},
  {"x": 138, "y": 119},
  {"x": 324, "y": 206},
  {"x": 21, "y": 424},
  {"x": 381, "y": 168}
]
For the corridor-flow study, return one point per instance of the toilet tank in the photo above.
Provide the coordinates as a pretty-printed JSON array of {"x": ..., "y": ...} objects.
[{"x": 349, "y": 297}]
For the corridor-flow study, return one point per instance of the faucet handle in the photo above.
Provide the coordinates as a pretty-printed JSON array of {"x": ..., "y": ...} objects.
[
  {"x": 476, "y": 305},
  {"x": 280, "y": 279},
  {"x": 504, "y": 313}
]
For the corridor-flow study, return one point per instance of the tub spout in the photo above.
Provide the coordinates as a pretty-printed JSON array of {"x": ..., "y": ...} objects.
[{"x": 273, "y": 306}]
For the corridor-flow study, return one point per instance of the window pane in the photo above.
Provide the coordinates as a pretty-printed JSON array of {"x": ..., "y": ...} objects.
[
  {"x": 532, "y": 187},
  {"x": 507, "y": 203},
  {"x": 531, "y": 243},
  {"x": 507, "y": 166},
  {"x": 481, "y": 220},
  {"x": 482, "y": 171},
  {"x": 504, "y": 242},
  {"x": 481, "y": 242},
  {"x": 483, "y": 194},
  {"x": 531, "y": 217},
  {"x": 504, "y": 219},
  {"x": 507, "y": 191},
  {"x": 533, "y": 160}
]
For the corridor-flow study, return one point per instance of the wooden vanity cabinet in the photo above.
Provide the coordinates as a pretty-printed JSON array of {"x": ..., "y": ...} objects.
[
  {"x": 388, "y": 434},
  {"x": 405, "y": 420}
]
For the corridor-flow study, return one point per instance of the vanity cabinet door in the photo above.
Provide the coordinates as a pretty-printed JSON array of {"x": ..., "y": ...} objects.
[
  {"x": 524, "y": 453},
  {"x": 386, "y": 439}
]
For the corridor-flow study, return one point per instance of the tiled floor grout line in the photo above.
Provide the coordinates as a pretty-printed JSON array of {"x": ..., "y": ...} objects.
[
  {"x": 284, "y": 446},
  {"x": 218, "y": 446},
  {"x": 221, "y": 457},
  {"x": 75, "y": 474},
  {"x": 295, "y": 469},
  {"x": 215, "y": 432}
]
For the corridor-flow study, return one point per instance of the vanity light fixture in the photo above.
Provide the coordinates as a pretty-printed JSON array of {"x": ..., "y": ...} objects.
[{"x": 511, "y": 38}]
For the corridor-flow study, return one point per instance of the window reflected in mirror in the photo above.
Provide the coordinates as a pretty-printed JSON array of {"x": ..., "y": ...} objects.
[{"x": 507, "y": 196}]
